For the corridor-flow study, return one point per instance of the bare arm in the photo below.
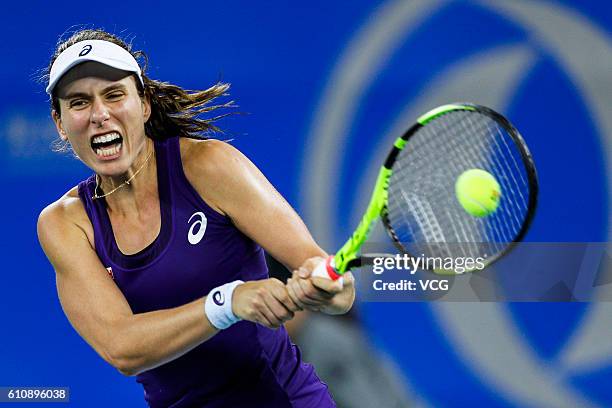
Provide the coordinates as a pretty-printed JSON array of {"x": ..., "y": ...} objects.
[
  {"x": 100, "y": 313},
  {"x": 235, "y": 187}
]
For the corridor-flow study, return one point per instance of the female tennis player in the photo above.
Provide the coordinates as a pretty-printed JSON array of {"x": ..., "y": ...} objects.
[{"x": 158, "y": 255}]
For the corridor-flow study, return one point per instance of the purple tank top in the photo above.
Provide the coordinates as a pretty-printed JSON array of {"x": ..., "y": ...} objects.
[{"x": 197, "y": 249}]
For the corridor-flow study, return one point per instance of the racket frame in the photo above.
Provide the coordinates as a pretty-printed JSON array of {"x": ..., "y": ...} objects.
[{"x": 347, "y": 256}]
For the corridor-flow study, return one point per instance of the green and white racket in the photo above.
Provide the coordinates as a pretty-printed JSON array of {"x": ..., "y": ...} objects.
[{"x": 424, "y": 207}]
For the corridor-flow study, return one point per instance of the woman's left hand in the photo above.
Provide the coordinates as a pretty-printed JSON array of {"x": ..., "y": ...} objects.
[{"x": 321, "y": 294}]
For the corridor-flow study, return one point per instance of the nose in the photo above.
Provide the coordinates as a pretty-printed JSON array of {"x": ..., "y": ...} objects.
[{"x": 99, "y": 113}]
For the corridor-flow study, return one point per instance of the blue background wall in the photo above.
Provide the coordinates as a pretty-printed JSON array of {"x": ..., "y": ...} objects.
[{"x": 329, "y": 80}]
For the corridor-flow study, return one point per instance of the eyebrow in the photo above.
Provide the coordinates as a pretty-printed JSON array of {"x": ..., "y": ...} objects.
[{"x": 113, "y": 87}]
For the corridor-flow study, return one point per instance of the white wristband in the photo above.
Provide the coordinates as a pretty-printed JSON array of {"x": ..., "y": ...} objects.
[{"x": 218, "y": 305}]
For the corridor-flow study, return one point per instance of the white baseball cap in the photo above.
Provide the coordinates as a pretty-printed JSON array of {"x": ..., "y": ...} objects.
[{"x": 104, "y": 52}]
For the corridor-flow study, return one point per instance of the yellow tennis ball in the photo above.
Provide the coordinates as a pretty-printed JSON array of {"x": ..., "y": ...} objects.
[{"x": 478, "y": 192}]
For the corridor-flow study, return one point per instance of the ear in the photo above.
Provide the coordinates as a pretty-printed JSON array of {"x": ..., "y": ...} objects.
[
  {"x": 146, "y": 108},
  {"x": 57, "y": 119}
]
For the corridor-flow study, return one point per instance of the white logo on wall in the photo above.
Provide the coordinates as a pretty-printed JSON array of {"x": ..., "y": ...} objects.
[
  {"x": 500, "y": 356},
  {"x": 197, "y": 229}
]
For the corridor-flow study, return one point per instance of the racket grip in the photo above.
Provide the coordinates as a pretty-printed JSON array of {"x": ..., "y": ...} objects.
[{"x": 326, "y": 270}]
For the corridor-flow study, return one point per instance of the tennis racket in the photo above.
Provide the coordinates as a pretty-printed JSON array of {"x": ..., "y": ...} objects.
[{"x": 415, "y": 195}]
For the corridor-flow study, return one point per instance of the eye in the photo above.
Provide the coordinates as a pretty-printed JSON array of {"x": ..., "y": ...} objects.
[
  {"x": 78, "y": 103},
  {"x": 114, "y": 95}
]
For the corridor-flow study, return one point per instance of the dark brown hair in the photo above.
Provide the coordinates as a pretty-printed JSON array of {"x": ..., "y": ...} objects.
[{"x": 174, "y": 111}]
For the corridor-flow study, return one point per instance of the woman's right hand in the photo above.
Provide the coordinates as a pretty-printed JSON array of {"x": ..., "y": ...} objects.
[{"x": 266, "y": 302}]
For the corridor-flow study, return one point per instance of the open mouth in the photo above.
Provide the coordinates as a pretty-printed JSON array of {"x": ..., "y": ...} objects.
[{"x": 107, "y": 145}]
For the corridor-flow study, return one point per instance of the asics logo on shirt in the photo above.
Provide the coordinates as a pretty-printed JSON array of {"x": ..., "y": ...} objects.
[
  {"x": 197, "y": 229},
  {"x": 218, "y": 298}
]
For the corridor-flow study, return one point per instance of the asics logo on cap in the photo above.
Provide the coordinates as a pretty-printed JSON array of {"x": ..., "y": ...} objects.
[
  {"x": 197, "y": 229},
  {"x": 85, "y": 50}
]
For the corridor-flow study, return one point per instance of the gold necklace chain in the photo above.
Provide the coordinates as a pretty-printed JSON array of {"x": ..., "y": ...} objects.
[{"x": 96, "y": 196}]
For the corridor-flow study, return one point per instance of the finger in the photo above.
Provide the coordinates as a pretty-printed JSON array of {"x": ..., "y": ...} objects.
[
  {"x": 292, "y": 293},
  {"x": 269, "y": 318},
  {"x": 277, "y": 308},
  {"x": 312, "y": 263},
  {"x": 315, "y": 292},
  {"x": 328, "y": 286},
  {"x": 306, "y": 269},
  {"x": 279, "y": 291},
  {"x": 349, "y": 279},
  {"x": 274, "y": 309},
  {"x": 311, "y": 295},
  {"x": 304, "y": 299},
  {"x": 257, "y": 310},
  {"x": 260, "y": 308},
  {"x": 299, "y": 293},
  {"x": 267, "y": 311},
  {"x": 303, "y": 272},
  {"x": 260, "y": 318}
]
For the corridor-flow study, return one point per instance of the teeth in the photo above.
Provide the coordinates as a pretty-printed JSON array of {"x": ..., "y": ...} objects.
[
  {"x": 109, "y": 151},
  {"x": 106, "y": 138}
]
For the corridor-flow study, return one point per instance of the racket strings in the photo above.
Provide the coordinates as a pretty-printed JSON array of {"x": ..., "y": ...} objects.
[
  {"x": 516, "y": 197},
  {"x": 471, "y": 230},
  {"x": 422, "y": 207},
  {"x": 424, "y": 233},
  {"x": 517, "y": 171},
  {"x": 418, "y": 215},
  {"x": 447, "y": 147},
  {"x": 513, "y": 220}
]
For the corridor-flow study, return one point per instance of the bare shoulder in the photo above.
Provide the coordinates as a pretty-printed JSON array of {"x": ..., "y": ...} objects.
[
  {"x": 224, "y": 176},
  {"x": 215, "y": 169},
  {"x": 64, "y": 214},
  {"x": 210, "y": 157}
]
